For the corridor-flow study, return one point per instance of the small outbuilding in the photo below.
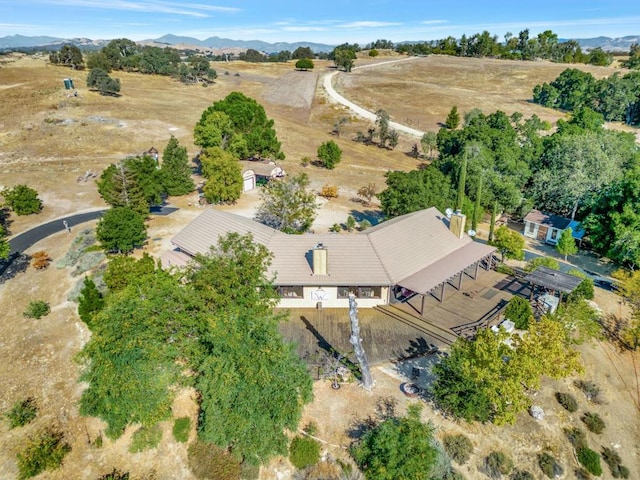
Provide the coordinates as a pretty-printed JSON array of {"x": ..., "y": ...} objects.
[
  {"x": 547, "y": 227},
  {"x": 256, "y": 171}
]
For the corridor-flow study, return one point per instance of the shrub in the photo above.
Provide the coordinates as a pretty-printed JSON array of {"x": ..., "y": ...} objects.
[
  {"x": 22, "y": 412},
  {"x": 115, "y": 475},
  {"x": 614, "y": 461},
  {"x": 40, "y": 260},
  {"x": 582, "y": 474},
  {"x": 548, "y": 262},
  {"x": 329, "y": 191},
  {"x": 519, "y": 311},
  {"x": 329, "y": 154},
  {"x": 311, "y": 428},
  {"x": 590, "y": 460},
  {"x": 458, "y": 447},
  {"x": 210, "y": 462},
  {"x": 305, "y": 161},
  {"x": 364, "y": 224},
  {"x": 22, "y": 200},
  {"x": 350, "y": 223},
  {"x": 181, "y": 428},
  {"x": 145, "y": 438},
  {"x": 505, "y": 269},
  {"x": 549, "y": 466},
  {"x": 576, "y": 437},
  {"x": 497, "y": 464},
  {"x": 453, "y": 475},
  {"x": 373, "y": 52},
  {"x": 304, "y": 452},
  {"x": 567, "y": 400},
  {"x": 44, "y": 452},
  {"x": 590, "y": 390},
  {"x": 593, "y": 422},
  {"x": 335, "y": 228},
  {"x": 522, "y": 475},
  {"x": 37, "y": 309}
]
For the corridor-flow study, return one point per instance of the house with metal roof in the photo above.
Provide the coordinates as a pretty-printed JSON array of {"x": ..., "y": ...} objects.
[{"x": 419, "y": 253}]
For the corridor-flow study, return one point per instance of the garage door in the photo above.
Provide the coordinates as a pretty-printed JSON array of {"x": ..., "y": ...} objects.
[{"x": 249, "y": 184}]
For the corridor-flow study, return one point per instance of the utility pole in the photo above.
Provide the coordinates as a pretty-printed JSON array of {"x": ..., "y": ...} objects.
[{"x": 367, "y": 381}]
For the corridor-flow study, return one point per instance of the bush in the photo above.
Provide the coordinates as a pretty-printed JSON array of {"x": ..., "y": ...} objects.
[
  {"x": 590, "y": 390},
  {"x": 44, "y": 452},
  {"x": 329, "y": 154},
  {"x": 505, "y": 269},
  {"x": 145, "y": 438},
  {"x": 519, "y": 311},
  {"x": 37, "y": 309},
  {"x": 497, "y": 464},
  {"x": 335, "y": 228},
  {"x": 40, "y": 260},
  {"x": 22, "y": 412},
  {"x": 181, "y": 429},
  {"x": 593, "y": 422},
  {"x": 548, "y": 262},
  {"x": 364, "y": 224},
  {"x": 614, "y": 461},
  {"x": 350, "y": 223},
  {"x": 522, "y": 475},
  {"x": 576, "y": 437},
  {"x": 329, "y": 191},
  {"x": 210, "y": 462},
  {"x": 568, "y": 401},
  {"x": 458, "y": 447},
  {"x": 304, "y": 452},
  {"x": 590, "y": 460},
  {"x": 115, "y": 475},
  {"x": 22, "y": 200},
  {"x": 311, "y": 428},
  {"x": 550, "y": 466}
]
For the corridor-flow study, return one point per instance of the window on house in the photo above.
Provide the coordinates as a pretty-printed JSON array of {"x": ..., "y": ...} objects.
[
  {"x": 359, "y": 292},
  {"x": 291, "y": 292},
  {"x": 531, "y": 227},
  {"x": 554, "y": 234}
]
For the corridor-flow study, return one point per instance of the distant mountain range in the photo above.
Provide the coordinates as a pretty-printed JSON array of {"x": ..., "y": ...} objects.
[{"x": 23, "y": 42}]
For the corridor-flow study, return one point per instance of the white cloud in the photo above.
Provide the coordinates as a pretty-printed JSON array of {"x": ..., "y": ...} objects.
[
  {"x": 433, "y": 22},
  {"x": 368, "y": 24},
  {"x": 305, "y": 29},
  {"x": 147, "y": 6}
]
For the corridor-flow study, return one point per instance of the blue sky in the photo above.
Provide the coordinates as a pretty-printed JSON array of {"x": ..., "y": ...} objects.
[{"x": 326, "y": 21}]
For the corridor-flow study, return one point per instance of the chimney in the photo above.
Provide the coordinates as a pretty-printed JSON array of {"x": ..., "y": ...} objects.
[
  {"x": 456, "y": 223},
  {"x": 320, "y": 260}
]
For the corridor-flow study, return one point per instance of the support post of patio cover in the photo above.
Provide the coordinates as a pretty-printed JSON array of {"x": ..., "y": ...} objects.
[
  {"x": 475, "y": 273},
  {"x": 460, "y": 280},
  {"x": 442, "y": 292},
  {"x": 422, "y": 305}
]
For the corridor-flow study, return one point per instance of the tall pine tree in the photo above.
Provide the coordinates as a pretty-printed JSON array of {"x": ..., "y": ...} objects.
[
  {"x": 175, "y": 170},
  {"x": 119, "y": 187}
]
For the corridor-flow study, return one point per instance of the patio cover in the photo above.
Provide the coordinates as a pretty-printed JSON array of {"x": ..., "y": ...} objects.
[
  {"x": 446, "y": 268},
  {"x": 553, "y": 280}
]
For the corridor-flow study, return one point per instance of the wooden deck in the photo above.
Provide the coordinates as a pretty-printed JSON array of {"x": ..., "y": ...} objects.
[
  {"x": 398, "y": 330},
  {"x": 383, "y": 337},
  {"x": 479, "y": 304}
]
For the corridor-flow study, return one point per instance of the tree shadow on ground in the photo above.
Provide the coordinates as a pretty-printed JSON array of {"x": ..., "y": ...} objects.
[
  {"x": 374, "y": 217},
  {"x": 12, "y": 266}
]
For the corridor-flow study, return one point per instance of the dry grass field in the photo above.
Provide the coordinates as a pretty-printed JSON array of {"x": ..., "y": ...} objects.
[{"x": 48, "y": 139}]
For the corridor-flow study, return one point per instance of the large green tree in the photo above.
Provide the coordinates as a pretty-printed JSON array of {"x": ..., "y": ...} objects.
[
  {"x": 68, "y": 55},
  {"x": 100, "y": 80},
  {"x": 288, "y": 205},
  {"x": 408, "y": 192},
  {"x": 121, "y": 230},
  {"x": 487, "y": 378},
  {"x": 119, "y": 186},
  {"x": 398, "y": 448},
  {"x": 232, "y": 275},
  {"x": 304, "y": 64},
  {"x": 5, "y": 246},
  {"x": 566, "y": 244},
  {"x": 90, "y": 301},
  {"x": 250, "y": 133},
  {"x": 123, "y": 271},
  {"x": 509, "y": 242},
  {"x": 175, "y": 171},
  {"x": 23, "y": 200},
  {"x": 253, "y": 386},
  {"x": 142, "y": 342},
  {"x": 224, "y": 176}
]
